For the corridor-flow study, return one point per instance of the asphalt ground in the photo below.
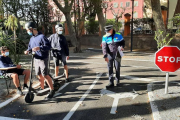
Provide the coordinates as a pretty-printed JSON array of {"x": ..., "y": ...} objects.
[{"x": 82, "y": 98}]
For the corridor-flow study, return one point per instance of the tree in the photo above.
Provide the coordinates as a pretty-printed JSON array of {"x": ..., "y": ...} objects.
[
  {"x": 67, "y": 12},
  {"x": 1, "y": 10},
  {"x": 157, "y": 16},
  {"x": 99, "y": 10},
  {"x": 15, "y": 7},
  {"x": 118, "y": 13},
  {"x": 39, "y": 12},
  {"x": 12, "y": 23}
]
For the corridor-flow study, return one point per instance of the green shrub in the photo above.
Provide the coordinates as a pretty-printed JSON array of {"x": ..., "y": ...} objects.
[
  {"x": 117, "y": 26},
  {"x": 8, "y": 41},
  {"x": 92, "y": 27}
]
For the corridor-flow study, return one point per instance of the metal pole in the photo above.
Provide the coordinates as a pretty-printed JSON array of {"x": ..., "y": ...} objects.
[
  {"x": 132, "y": 25},
  {"x": 167, "y": 81}
]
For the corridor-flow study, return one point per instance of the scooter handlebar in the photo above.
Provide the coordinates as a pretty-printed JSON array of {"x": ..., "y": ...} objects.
[
  {"x": 31, "y": 53},
  {"x": 54, "y": 49}
]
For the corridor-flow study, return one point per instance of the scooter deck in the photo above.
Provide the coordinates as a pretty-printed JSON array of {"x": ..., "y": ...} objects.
[
  {"x": 58, "y": 77},
  {"x": 54, "y": 97}
]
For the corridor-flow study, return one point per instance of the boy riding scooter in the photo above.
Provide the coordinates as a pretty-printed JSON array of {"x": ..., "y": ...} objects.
[
  {"x": 41, "y": 46},
  {"x": 61, "y": 52}
]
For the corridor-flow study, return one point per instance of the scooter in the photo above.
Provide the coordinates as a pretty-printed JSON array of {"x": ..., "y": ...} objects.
[
  {"x": 58, "y": 77},
  {"x": 29, "y": 97}
]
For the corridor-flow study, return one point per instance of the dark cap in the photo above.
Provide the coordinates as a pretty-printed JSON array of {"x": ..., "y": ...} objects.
[
  {"x": 30, "y": 25},
  {"x": 108, "y": 28},
  {"x": 58, "y": 26}
]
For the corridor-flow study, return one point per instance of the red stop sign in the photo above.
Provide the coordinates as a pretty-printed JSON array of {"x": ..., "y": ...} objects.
[{"x": 168, "y": 58}]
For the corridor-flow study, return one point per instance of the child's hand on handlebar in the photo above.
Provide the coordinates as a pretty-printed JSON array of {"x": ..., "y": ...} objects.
[
  {"x": 36, "y": 49},
  {"x": 26, "y": 52}
]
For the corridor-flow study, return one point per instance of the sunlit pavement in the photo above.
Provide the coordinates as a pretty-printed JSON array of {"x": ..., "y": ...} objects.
[{"x": 85, "y": 97}]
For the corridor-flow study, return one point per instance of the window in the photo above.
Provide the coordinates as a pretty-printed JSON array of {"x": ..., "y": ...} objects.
[
  {"x": 121, "y": 4},
  {"x": 135, "y": 3},
  {"x": 127, "y": 4},
  {"x": 135, "y": 15},
  {"x": 115, "y": 5}
]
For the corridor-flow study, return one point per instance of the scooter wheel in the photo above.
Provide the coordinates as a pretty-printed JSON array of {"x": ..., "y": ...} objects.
[
  {"x": 29, "y": 97},
  {"x": 56, "y": 86}
]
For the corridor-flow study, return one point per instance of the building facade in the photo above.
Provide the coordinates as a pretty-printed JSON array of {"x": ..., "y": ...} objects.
[{"x": 123, "y": 7}]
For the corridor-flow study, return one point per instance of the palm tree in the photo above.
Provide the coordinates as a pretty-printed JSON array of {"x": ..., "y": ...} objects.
[{"x": 12, "y": 23}]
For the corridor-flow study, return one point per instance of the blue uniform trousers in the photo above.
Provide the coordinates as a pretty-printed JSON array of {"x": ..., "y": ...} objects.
[{"x": 116, "y": 61}]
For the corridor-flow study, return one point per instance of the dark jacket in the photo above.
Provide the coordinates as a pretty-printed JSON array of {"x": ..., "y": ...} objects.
[
  {"x": 40, "y": 41},
  {"x": 59, "y": 42},
  {"x": 5, "y": 62},
  {"x": 111, "y": 43}
]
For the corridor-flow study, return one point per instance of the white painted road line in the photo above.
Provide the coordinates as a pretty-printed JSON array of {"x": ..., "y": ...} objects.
[
  {"x": 116, "y": 97},
  {"x": 121, "y": 66},
  {"x": 63, "y": 87},
  {"x": 71, "y": 112},
  {"x": 13, "y": 98},
  {"x": 8, "y": 101},
  {"x": 136, "y": 78},
  {"x": 114, "y": 106},
  {"x": 138, "y": 60},
  {"x": 142, "y": 67},
  {"x": 17, "y": 96},
  {"x": 57, "y": 93},
  {"x": 42, "y": 91},
  {"x": 154, "y": 108},
  {"x": 7, "y": 118}
]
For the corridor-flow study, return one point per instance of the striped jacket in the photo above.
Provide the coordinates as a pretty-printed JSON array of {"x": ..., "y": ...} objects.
[{"x": 111, "y": 43}]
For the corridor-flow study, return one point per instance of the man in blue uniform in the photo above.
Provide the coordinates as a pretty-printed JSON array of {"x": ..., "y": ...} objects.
[
  {"x": 61, "y": 50},
  {"x": 112, "y": 43}
]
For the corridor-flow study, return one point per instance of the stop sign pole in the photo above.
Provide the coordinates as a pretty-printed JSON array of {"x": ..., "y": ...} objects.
[
  {"x": 167, "y": 82},
  {"x": 167, "y": 59}
]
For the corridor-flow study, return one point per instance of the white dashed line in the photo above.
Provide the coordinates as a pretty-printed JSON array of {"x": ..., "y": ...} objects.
[
  {"x": 154, "y": 108},
  {"x": 71, "y": 112}
]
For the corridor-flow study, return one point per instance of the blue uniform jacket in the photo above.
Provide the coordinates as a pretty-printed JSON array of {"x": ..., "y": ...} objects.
[
  {"x": 5, "y": 62},
  {"x": 40, "y": 41},
  {"x": 111, "y": 43}
]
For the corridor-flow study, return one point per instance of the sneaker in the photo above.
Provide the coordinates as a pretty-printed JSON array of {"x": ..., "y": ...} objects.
[
  {"x": 25, "y": 87},
  {"x": 67, "y": 80},
  {"x": 51, "y": 94},
  {"x": 110, "y": 85},
  {"x": 19, "y": 92}
]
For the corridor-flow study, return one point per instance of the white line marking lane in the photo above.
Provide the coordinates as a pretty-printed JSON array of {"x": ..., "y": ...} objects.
[
  {"x": 71, "y": 112},
  {"x": 7, "y": 118},
  {"x": 17, "y": 96},
  {"x": 154, "y": 108},
  {"x": 8, "y": 101},
  {"x": 11, "y": 99}
]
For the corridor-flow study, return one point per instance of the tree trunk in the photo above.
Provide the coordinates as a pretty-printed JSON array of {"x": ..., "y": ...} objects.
[
  {"x": 74, "y": 40},
  {"x": 157, "y": 16},
  {"x": 15, "y": 45},
  {"x": 98, "y": 8},
  {"x": 102, "y": 21},
  {"x": 19, "y": 27},
  {"x": 116, "y": 27}
]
